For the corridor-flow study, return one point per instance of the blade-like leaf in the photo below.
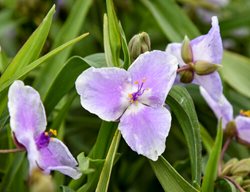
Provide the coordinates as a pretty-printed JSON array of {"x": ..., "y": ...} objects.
[
  {"x": 169, "y": 178},
  {"x": 182, "y": 106},
  {"x": 212, "y": 164}
]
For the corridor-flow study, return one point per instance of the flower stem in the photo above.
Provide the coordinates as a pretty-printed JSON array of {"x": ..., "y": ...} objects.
[
  {"x": 11, "y": 150},
  {"x": 235, "y": 183},
  {"x": 183, "y": 68},
  {"x": 225, "y": 146}
]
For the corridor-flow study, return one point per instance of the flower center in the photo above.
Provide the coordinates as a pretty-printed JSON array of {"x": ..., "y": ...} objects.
[
  {"x": 245, "y": 113},
  {"x": 133, "y": 97},
  {"x": 44, "y": 138}
]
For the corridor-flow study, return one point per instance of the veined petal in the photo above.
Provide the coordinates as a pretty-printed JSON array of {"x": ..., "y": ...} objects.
[
  {"x": 157, "y": 69},
  {"x": 145, "y": 129},
  {"x": 102, "y": 91},
  {"x": 243, "y": 128},
  {"x": 221, "y": 108},
  {"x": 208, "y": 47},
  {"x": 27, "y": 114},
  {"x": 56, "y": 156},
  {"x": 211, "y": 83},
  {"x": 175, "y": 49}
]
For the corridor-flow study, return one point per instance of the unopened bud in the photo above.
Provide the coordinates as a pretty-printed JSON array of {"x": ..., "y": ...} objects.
[
  {"x": 139, "y": 44},
  {"x": 237, "y": 179},
  {"x": 241, "y": 168},
  {"x": 228, "y": 166},
  {"x": 186, "y": 76},
  {"x": 246, "y": 184},
  {"x": 186, "y": 51},
  {"x": 40, "y": 182},
  {"x": 205, "y": 68},
  {"x": 230, "y": 130}
]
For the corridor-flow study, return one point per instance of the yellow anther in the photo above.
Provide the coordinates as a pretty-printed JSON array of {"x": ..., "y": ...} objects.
[
  {"x": 136, "y": 82},
  {"x": 130, "y": 95},
  {"x": 245, "y": 113},
  {"x": 53, "y": 132},
  {"x": 46, "y": 133}
]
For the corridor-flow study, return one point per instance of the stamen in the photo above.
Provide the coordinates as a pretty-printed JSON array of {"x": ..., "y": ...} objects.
[
  {"x": 53, "y": 132},
  {"x": 245, "y": 113}
]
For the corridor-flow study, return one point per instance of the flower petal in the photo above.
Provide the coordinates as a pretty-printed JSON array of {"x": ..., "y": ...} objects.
[
  {"x": 158, "y": 69},
  {"x": 175, "y": 49},
  {"x": 101, "y": 91},
  {"x": 221, "y": 108},
  {"x": 56, "y": 156},
  {"x": 27, "y": 115},
  {"x": 243, "y": 128},
  {"x": 145, "y": 129},
  {"x": 211, "y": 83},
  {"x": 208, "y": 47}
]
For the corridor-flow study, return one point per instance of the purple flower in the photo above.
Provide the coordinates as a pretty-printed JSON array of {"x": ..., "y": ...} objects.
[
  {"x": 206, "y": 48},
  {"x": 135, "y": 97},
  {"x": 224, "y": 110},
  {"x": 28, "y": 123}
]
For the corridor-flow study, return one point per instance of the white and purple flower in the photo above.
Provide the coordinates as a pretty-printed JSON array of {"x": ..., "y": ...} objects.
[
  {"x": 223, "y": 110},
  {"x": 28, "y": 123},
  {"x": 207, "y": 49},
  {"x": 135, "y": 97}
]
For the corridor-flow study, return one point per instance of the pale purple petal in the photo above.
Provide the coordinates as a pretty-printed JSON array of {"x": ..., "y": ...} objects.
[
  {"x": 27, "y": 115},
  {"x": 175, "y": 49},
  {"x": 158, "y": 69},
  {"x": 208, "y": 47},
  {"x": 243, "y": 128},
  {"x": 102, "y": 91},
  {"x": 145, "y": 129},
  {"x": 211, "y": 83},
  {"x": 56, "y": 156},
  {"x": 221, "y": 108}
]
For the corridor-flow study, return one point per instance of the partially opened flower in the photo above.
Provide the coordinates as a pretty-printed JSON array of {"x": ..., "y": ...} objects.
[
  {"x": 224, "y": 110},
  {"x": 199, "y": 59},
  {"x": 135, "y": 97},
  {"x": 28, "y": 123}
]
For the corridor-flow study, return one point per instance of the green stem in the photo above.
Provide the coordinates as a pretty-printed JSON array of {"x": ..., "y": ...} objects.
[{"x": 11, "y": 150}]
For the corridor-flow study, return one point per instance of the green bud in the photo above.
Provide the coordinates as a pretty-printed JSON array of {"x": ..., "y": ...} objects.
[
  {"x": 186, "y": 51},
  {"x": 230, "y": 130},
  {"x": 139, "y": 44},
  {"x": 186, "y": 76},
  {"x": 246, "y": 184},
  {"x": 241, "y": 168},
  {"x": 204, "y": 67},
  {"x": 237, "y": 179},
  {"x": 228, "y": 166}
]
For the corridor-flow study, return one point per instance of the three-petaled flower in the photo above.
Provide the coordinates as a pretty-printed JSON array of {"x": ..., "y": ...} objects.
[
  {"x": 135, "y": 97},
  {"x": 223, "y": 110},
  {"x": 28, "y": 123},
  {"x": 204, "y": 50}
]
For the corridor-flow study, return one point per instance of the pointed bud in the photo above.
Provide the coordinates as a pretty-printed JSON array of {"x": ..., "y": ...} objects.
[
  {"x": 228, "y": 166},
  {"x": 230, "y": 130},
  {"x": 186, "y": 51},
  {"x": 205, "y": 68},
  {"x": 186, "y": 76},
  {"x": 241, "y": 168},
  {"x": 139, "y": 44}
]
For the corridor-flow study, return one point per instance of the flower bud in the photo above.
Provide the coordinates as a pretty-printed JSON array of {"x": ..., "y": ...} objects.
[
  {"x": 186, "y": 51},
  {"x": 241, "y": 168},
  {"x": 246, "y": 184},
  {"x": 139, "y": 44},
  {"x": 205, "y": 68},
  {"x": 230, "y": 130},
  {"x": 40, "y": 182},
  {"x": 186, "y": 76},
  {"x": 228, "y": 166}
]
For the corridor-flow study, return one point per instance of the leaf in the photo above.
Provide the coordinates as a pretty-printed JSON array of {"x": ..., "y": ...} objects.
[
  {"x": 84, "y": 164},
  {"x": 70, "y": 30},
  {"x": 169, "y": 178},
  {"x": 182, "y": 106},
  {"x": 206, "y": 139},
  {"x": 225, "y": 185},
  {"x": 66, "y": 189},
  {"x": 103, "y": 182},
  {"x": 106, "y": 40},
  {"x": 235, "y": 72},
  {"x": 212, "y": 164}
]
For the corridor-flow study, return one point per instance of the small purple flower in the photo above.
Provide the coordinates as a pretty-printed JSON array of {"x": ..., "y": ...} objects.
[
  {"x": 28, "y": 123},
  {"x": 224, "y": 110},
  {"x": 135, "y": 97},
  {"x": 206, "y": 48}
]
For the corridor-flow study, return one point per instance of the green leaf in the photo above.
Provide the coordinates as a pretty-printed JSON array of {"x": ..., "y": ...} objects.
[
  {"x": 103, "y": 182},
  {"x": 70, "y": 30},
  {"x": 84, "y": 163},
  {"x": 206, "y": 139},
  {"x": 106, "y": 40},
  {"x": 212, "y": 164},
  {"x": 171, "y": 18},
  {"x": 66, "y": 189},
  {"x": 225, "y": 185},
  {"x": 31, "y": 49},
  {"x": 182, "y": 106},
  {"x": 125, "y": 50},
  {"x": 235, "y": 72},
  {"x": 169, "y": 178}
]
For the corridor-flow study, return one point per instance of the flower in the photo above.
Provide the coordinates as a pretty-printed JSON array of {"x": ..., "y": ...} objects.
[
  {"x": 135, "y": 97},
  {"x": 204, "y": 49},
  {"x": 28, "y": 123},
  {"x": 224, "y": 110}
]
